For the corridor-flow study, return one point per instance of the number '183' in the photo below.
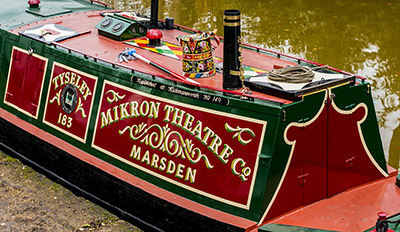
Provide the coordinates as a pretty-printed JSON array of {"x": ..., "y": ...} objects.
[{"x": 64, "y": 120}]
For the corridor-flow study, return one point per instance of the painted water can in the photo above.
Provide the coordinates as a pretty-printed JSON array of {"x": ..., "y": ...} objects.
[{"x": 197, "y": 57}]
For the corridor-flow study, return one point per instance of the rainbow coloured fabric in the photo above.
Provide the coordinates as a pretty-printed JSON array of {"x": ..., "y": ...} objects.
[
  {"x": 199, "y": 75},
  {"x": 167, "y": 49}
]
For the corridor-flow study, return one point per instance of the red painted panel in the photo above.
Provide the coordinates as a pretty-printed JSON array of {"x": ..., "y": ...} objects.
[
  {"x": 329, "y": 156},
  {"x": 33, "y": 84},
  {"x": 25, "y": 81},
  {"x": 305, "y": 181},
  {"x": 314, "y": 147},
  {"x": 208, "y": 152},
  {"x": 16, "y": 76},
  {"x": 349, "y": 164},
  {"x": 73, "y": 119}
]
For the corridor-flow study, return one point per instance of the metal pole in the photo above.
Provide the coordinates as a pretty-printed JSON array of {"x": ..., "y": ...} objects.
[
  {"x": 154, "y": 14},
  {"x": 232, "y": 54}
]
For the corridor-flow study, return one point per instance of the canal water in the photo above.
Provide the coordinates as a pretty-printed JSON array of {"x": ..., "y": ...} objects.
[{"x": 361, "y": 37}]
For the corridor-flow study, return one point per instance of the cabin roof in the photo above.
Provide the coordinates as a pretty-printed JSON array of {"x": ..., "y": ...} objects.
[
  {"x": 76, "y": 16},
  {"x": 18, "y": 13},
  {"x": 90, "y": 43}
]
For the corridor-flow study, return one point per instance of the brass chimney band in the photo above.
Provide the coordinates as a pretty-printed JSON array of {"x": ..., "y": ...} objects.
[
  {"x": 231, "y": 17},
  {"x": 234, "y": 72},
  {"x": 229, "y": 24}
]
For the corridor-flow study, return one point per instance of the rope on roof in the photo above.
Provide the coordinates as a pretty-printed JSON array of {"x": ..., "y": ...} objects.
[{"x": 292, "y": 74}]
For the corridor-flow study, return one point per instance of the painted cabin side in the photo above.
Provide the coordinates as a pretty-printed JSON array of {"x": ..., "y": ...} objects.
[
  {"x": 105, "y": 91},
  {"x": 250, "y": 158}
]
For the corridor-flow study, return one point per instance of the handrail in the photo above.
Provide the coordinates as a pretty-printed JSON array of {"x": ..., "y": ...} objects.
[
  {"x": 99, "y": 2},
  {"x": 303, "y": 60}
]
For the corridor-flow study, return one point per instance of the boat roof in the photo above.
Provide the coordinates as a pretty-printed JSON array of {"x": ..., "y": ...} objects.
[
  {"x": 18, "y": 14},
  {"x": 89, "y": 42}
]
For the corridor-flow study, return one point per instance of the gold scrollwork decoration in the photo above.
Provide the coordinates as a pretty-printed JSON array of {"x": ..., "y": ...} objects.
[
  {"x": 239, "y": 132},
  {"x": 56, "y": 98},
  {"x": 166, "y": 140},
  {"x": 80, "y": 108},
  {"x": 114, "y": 96}
]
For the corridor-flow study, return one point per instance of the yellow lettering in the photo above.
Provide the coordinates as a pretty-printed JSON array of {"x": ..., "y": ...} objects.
[
  {"x": 134, "y": 110},
  {"x": 226, "y": 152},
  {"x": 171, "y": 167},
  {"x": 146, "y": 158},
  {"x": 197, "y": 130},
  {"x": 106, "y": 118},
  {"x": 67, "y": 77},
  {"x": 154, "y": 107},
  {"x": 73, "y": 75},
  {"x": 162, "y": 164},
  {"x": 154, "y": 161},
  {"x": 135, "y": 153},
  {"x": 168, "y": 110},
  {"x": 178, "y": 117},
  {"x": 123, "y": 111},
  {"x": 190, "y": 175},
  {"x": 209, "y": 133},
  {"x": 188, "y": 122},
  {"x": 215, "y": 144},
  {"x": 144, "y": 108},
  {"x": 179, "y": 171}
]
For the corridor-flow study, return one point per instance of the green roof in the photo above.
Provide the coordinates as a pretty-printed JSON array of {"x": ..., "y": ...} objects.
[{"x": 18, "y": 13}]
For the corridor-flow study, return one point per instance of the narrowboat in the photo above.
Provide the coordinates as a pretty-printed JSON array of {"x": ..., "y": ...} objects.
[{"x": 177, "y": 129}]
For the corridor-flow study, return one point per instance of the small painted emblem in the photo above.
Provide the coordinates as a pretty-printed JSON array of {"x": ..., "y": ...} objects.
[
  {"x": 49, "y": 33},
  {"x": 69, "y": 101},
  {"x": 69, "y": 98}
]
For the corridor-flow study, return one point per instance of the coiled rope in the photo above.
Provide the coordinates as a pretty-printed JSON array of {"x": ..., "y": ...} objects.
[{"x": 292, "y": 74}]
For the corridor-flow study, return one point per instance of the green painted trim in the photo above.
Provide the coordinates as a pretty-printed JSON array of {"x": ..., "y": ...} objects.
[{"x": 361, "y": 93}]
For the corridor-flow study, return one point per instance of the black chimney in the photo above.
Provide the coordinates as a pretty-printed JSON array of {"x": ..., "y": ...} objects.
[
  {"x": 154, "y": 14},
  {"x": 232, "y": 64}
]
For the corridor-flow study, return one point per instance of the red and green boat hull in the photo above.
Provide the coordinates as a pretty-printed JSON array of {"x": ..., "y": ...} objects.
[{"x": 178, "y": 157}]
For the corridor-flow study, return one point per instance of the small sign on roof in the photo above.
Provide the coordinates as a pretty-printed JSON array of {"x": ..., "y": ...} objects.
[{"x": 49, "y": 33}]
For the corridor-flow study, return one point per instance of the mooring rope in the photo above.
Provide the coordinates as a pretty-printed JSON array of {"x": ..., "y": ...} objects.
[{"x": 292, "y": 74}]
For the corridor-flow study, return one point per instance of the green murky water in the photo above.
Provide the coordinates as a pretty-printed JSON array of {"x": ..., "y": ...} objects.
[{"x": 361, "y": 37}]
